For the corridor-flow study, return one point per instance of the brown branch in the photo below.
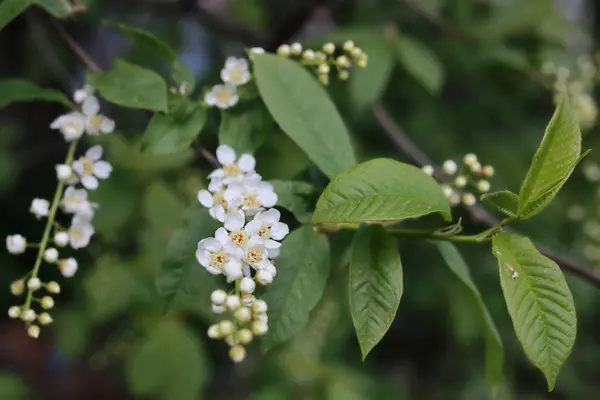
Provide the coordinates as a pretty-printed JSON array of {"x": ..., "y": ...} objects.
[
  {"x": 207, "y": 155},
  {"x": 76, "y": 49},
  {"x": 476, "y": 214}
]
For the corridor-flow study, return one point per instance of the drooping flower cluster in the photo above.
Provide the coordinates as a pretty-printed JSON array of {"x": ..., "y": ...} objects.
[
  {"x": 327, "y": 59},
  {"x": 73, "y": 202},
  {"x": 243, "y": 249},
  {"x": 579, "y": 83},
  {"x": 456, "y": 180}
]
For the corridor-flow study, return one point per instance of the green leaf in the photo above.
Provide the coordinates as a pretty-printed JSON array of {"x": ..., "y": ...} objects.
[
  {"x": 375, "y": 284},
  {"x": 170, "y": 364},
  {"x": 539, "y": 302},
  {"x": 504, "y": 200},
  {"x": 57, "y": 8},
  {"x": 183, "y": 76},
  {"x": 130, "y": 85},
  {"x": 367, "y": 85},
  {"x": 304, "y": 111},
  {"x": 302, "y": 271},
  {"x": 182, "y": 282},
  {"x": 553, "y": 162},
  {"x": 10, "y": 9},
  {"x": 494, "y": 357},
  {"x": 176, "y": 131},
  {"x": 245, "y": 130},
  {"x": 13, "y": 387},
  {"x": 380, "y": 190},
  {"x": 295, "y": 196},
  {"x": 420, "y": 62},
  {"x": 17, "y": 90}
]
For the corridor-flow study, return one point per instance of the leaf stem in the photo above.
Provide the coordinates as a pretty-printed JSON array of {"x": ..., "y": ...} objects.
[
  {"x": 49, "y": 224},
  {"x": 418, "y": 233}
]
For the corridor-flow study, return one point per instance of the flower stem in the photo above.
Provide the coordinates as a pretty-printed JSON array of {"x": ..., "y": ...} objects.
[{"x": 49, "y": 224}]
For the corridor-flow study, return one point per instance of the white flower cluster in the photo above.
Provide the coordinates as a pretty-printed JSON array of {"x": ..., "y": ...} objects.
[
  {"x": 455, "y": 180},
  {"x": 243, "y": 249},
  {"x": 236, "y": 72},
  {"x": 73, "y": 201},
  {"x": 326, "y": 59}
]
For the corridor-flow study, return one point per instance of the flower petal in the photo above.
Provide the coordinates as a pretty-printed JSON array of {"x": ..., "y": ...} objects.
[
  {"x": 210, "y": 98},
  {"x": 279, "y": 230},
  {"x": 222, "y": 236},
  {"x": 205, "y": 198},
  {"x": 225, "y": 154},
  {"x": 271, "y": 244},
  {"x": 271, "y": 216},
  {"x": 253, "y": 226},
  {"x": 107, "y": 125},
  {"x": 233, "y": 269},
  {"x": 210, "y": 244},
  {"x": 90, "y": 182},
  {"x": 102, "y": 169},
  {"x": 90, "y": 106},
  {"x": 94, "y": 153},
  {"x": 267, "y": 198},
  {"x": 235, "y": 221},
  {"x": 247, "y": 162}
]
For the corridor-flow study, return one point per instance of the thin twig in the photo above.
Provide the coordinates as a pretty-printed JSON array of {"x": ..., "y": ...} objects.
[
  {"x": 476, "y": 214},
  {"x": 76, "y": 49},
  {"x": 207, "y": 155}
]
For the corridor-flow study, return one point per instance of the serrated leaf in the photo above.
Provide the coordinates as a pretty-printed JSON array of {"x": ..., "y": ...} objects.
[
  {"x": 169, "y": 364},
  {"x": 553, "y": 162},
  {"x": 494, "y": 357},
  {"x": 375, "y": 284},
  {"x": 295, "y": 196},
  {"x": 315, "y": 125},
  {"x": 182, "y": 282},
  {"x": 176, "y": 131},
  {"x": 18, "y": 90},
  {"x": 130, "y": 85},
  {"x": 302, "y": 272},
  {"x": 504, "y": 200},
  {"x": 380, "y": 190},
  {"x": 420, "y": 62},
  {"x": 245, "y": 130},
  {"x": 366, "y": 85},
  {"x": 10, "y": 9},
  {"x": 539, "y": 302}
]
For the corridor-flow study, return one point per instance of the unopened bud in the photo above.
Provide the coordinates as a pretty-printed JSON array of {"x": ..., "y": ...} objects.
[
  {"x": 469, "y": 159},
  {"x": 488, "y": 171},
  {"x": 468, "y": 199},
  {"x": 247, "y": 285},
  {"x": 226, "y": 327},
  {"x": 45, "y": 319},
  {"x": 61, "y": 239},
  {"x": 264, "y": 277},
  {"x": 34, "y": 283},
  {"x": 53, "y": 287},
  {"x": 308, "y": 55},
  {"x": 448, "y": 191},
  {"x": 245, "y": 336},
  {"x": 343, "y": 61},
  {"x": 449, "y": 167},
  {"x": 233, "y": 302},
  {"x": 214, "y": 332},
  {"x": 248, "y": 299},
  {"x": 323, "y": 69},
  {"x": 428, "y": 169},
  {"x": 283, "y": 50},
  {"x": 483, "y": 186},
  {"x": 237, "y": 353},
  {"x": 51, "y": 255},
  {"x": 475, "y": 167},
  {"x": 242, "y": 315},
  {"x": 47, "y": 302},
  {"x": 14, "y": 312},
  {"x": 329, "y": 48},
  {"x": 348, "y": 45},
  {"x": 28, "y": 315},
  {"x": 259, "y": 328},
  {"x": 259, "y": 307},
  {"x": 460, "y": 181},
  {"x": 218, "y": 297},
  {"x": 17, "y": 287},
  {"x": 296, "y": 49},
  {"x": 324, "y": 79},
  {"x": 33, "y": 331},
  {"x": 218, "y": 309},
  {"x": 344, "y": 75}
]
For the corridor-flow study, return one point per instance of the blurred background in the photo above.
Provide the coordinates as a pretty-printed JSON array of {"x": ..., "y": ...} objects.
[{"x": 456, "y": 76}]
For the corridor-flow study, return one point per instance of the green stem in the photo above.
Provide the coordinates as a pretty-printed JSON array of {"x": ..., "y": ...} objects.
[{"x": 49, "y": 224}]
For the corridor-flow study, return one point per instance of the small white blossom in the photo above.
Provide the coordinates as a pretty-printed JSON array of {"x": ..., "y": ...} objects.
[
  {"x": 61, "y": 239},
  {"x": 266, "y": 227},
  {"x": 218, "y": 297},
  {"x": 237, "y": 354},
  {"x": 236, "y": 71},
  {"x": 222, "y": 96},
  {"x": 53, "y": 287},
  {"x": 218, "y": 207},
  {"x": 428, "y": 169},
  {"x": 71, "y": 125},
  {"x": 259, "y": 307},
  {"x": 253, "y": 192},
  {"x": 450, "y": 167},
  {"x": 68, "y": 267},
  {"x": 40, "y": 208},
  {"x": 91, "y": 167},
  {"x": 219, "y": 256},
  {"x": 80, "y": 232},
  {"x": 16, "y": 244},
  {"x": 34, "y": 284},
  {"x": 33, "y": 331},
  {"x": 247, "y": 285},
  {"x": 232, "y": 169},
  {"x": 51, "y": 255},
  {"x": 96, "y": 123},
  {"x": 45, "y": 319},
  {"x": 14, "y": 312},
  {"x": 81, "y": 94},
  {"x": 63, "y": 172},
  {"x": 47, "y": 302}
]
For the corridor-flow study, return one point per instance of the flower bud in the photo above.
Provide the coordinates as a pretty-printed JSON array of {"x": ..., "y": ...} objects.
[
  {"x": 356, "y": 52},
  {"x": 264, "y": 277},
  {"x": 296, "y": 49},
  {"x": 329, "y": 48},
  {"x": 51, "y": 255},
  {"x": 262, "y": 317},
  {"x": 259, "y": 307},
  {"x": 343, "y": 75},
  {"x": 53, "y": 287},
  {"x": 28, "y": 315},
  {"x": 468, "y": 199},
  {"x": 248, "y": 299},
  {"x": 257, "y": 50},
  {"x": 17, "y": 287},
  {"x": 361, "y": 63},
  {"x": 475, "y": 167},
  {"x": 217, "y": 309},
  {"x": 323, "y": 69},
  {"x": 320, "y": 56},
  {"x": 308, "y": 55},
  {"x": 488, "y": 171},
  {"x": 14, "y": 312},
  {"x": 45, "y": 319},
  {"x": 218, "y": 297},
  {"x": 47, "y": 302},
  {"x": 63, "y": 172},
  {"x": 449, "y": 167},
  {"x": 237, "y": 353},
  {"x": 233, "y": 302},
  {"x": 245, "y": 336},
  {"x": 34, "y": 284},
  {"x": 460, "y": 181},
  {"x": 259, "y": 328},
  {"x": 242, "y": 315},
  {"x": 214, "y": 332},
  {"x": 454, "y": 199},
  {"x": 343, "y": 61},
  {"x": 348, "y": 45},
  {"x": 16, "y": 244},
  {"x": 428, "y": 169},
  {"x": 283, "y": 50},
  {"x": 324, "y": 79},
  {"x": 68, "y": 267},
  {"x": 469, "y": 159},
  {"x": 61, "y": 239},
  {"x": 33, "y": 331},
  {"x": 247, "y": 285},
  {"x": 226, "y": 327},
  {"x": 448, "y": 191},
  {"x": 483, "y": 186},
  {"x": 231, "y": 340}
]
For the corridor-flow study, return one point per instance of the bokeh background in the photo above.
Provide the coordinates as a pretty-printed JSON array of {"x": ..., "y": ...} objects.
[{"x": 456, "y": 76}]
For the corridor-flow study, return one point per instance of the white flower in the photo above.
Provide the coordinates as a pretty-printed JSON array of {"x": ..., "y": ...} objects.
[
  {"x": 220, "y": 256},
  {"x": 73, "y": 199},
  {"x": 253, "y": 192},
  {"x": 95, "y": 123},
  {"x": 247, "y": 285},
  {"x": 51, "y": 255},
  {"x": 39, "y": 208},
  {"x": 80, "y": 232},
  {"x": 233, "y": 232},
  {"x": 34, "y": 283},
  {"x": 63, "y": 172},
  {"x": 232, "y": 169},
  {"x": 68, "y": 267},
  {"x": 61, "y": 239},
  {"x": 71, "y": 125},
  {"x": 266, "y": 227},
  {"x": 81, "y": 94},
  {"x": 90, "y": 168},
  {"x": 218, "y": 207},
  {"x": 236, "y": 71},
  {"x": 16, "y": 244},
  {"x": 222, "y": 96}
]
